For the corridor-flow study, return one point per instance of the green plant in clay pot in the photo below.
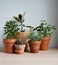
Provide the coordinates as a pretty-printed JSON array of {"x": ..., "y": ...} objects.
[
  {"x": 20, "y": 46},
  {"x": 47, "y": 31},
  {"x": 10, "y": 32},
  {"x": 35, "y": 41},
  {"x": 22, "y": 33}
]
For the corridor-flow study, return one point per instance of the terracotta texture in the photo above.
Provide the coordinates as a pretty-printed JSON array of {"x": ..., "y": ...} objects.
[
  {"x": 19, "y": 49},
  {"x": 45, "y": 43},
  {"x": 34, "y": 46},
  {"x": 9, "y": 44}
]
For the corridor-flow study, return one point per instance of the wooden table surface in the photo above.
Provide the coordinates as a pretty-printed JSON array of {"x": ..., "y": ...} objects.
[{"x": 49, "y": 57}]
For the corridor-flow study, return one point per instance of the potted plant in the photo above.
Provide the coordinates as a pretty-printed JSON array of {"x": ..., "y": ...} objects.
[
  {"x": 20, "y": 46},
  {"x": 11, "y": 32},
  {"x": 35, "y": 41},
  {"x": 20, "y": 19},
  {"x": 22, "y": 33},
  {"x": 47, "y": 31}
]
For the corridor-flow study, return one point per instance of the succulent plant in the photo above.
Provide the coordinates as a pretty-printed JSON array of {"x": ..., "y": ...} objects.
[
  {"x": 20, "y": 41},
  {"x": 35, "y": 36}
]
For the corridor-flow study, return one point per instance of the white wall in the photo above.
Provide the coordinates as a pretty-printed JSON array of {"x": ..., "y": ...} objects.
[
  {"x": 57, "y": 24},
  {"x": 35, "y": 11}
]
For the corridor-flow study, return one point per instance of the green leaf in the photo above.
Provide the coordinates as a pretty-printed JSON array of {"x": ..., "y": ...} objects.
[
  {"x": 11, "y": 29},
  {"x": 16, "y": 18}
]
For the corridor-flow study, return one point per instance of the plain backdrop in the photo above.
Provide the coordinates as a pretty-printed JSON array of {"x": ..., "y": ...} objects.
[{"x": 36, "y": 10}]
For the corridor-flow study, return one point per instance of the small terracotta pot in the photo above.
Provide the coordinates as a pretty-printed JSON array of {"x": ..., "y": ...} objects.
[
  {"x": 45, "y": 43},
  {"x": 19, "y": 49},
  {"x": 9, "y": 44},
  {"x": 34, "y": 46}
]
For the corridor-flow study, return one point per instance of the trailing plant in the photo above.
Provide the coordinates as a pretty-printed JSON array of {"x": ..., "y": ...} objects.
[
  {"x": 46, "y": 30},
  {"x": 35, "y": 36},
  {"x": 11, "y": 29}
]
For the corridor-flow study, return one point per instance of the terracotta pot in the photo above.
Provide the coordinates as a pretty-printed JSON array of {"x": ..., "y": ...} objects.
[
  {"x": 9, "y": 44},
  {"x": 34, "y": 46},
  {"x": 45, "y": 43},
  {"x": 19, "y": 49}
]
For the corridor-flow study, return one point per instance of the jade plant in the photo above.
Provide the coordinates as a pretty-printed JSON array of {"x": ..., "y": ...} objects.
[
  {"x": 11, "y": 29},
  {"x": 46, "y": 30}
]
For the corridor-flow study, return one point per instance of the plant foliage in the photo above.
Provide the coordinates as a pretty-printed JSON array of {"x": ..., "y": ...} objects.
[
  {"x": 20, "y": 19},
  {"x": 20, "y": 41},
  {"x": 11, "y": 29},
  {"x": 34, "y": 36},
  {"x": 46, "y": 30}
]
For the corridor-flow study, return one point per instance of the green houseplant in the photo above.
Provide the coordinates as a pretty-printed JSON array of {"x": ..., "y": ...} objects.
[
  {"x": 20, "y": 46},
  {"x": 22, "y": 33},
  {"x": 10, "y": 32},
  {"x": 35, "y": 41},
  {"x": 47, "y": 31},
  {"x": 20, "y": 19}
]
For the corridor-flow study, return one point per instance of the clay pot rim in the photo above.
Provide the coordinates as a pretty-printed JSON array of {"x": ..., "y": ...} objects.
[
  {"x": 46, "y": 38},
  {"x": 10, "y": 39},
  {"x": 34, "y": 41},
  {"x": 20, "y": 44}
]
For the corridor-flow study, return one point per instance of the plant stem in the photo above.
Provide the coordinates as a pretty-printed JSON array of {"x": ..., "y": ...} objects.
[{"x": 21, "y": 27}]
